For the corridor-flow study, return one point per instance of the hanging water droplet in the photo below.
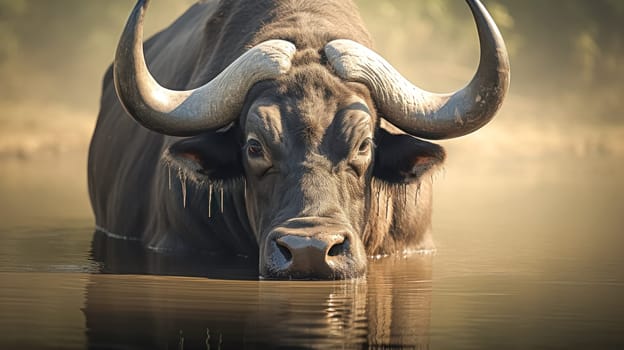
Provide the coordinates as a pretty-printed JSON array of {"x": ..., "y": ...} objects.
[
  {"x": 169, "y": 170},
  {"x": 210, "y": 201},
  {"x": 417, "y": 194},
  {"x": 207, "y": 339},
  {"x": 183, "y": 182},
  {"x": 378, "y": 199},
  {"x": 222, "y": 199},
  {"x": 404, "y": 196}
]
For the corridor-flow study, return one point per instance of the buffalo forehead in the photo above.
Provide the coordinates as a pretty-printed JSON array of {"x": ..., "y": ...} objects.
[
  {"x": 313, "y": 118},
  {"x": 265, "y": 117}
]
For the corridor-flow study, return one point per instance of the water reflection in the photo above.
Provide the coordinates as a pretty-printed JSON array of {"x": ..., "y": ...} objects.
[
  {"x": 128, "y": 257},
  {"x": 167, "y": 312},
  {"x": 529, "y": 257}
]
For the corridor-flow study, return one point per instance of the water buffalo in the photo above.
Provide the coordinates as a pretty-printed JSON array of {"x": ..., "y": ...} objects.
[{"x": 269, "y": 129}]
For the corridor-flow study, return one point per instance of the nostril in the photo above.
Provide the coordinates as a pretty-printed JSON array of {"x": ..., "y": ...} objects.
[
  {"x": 284, "y": 250},
  {"x": 339, "y": 248}
]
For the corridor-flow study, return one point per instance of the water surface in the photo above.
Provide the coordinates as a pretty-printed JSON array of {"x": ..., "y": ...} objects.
[{"x": 529, "y": 256}]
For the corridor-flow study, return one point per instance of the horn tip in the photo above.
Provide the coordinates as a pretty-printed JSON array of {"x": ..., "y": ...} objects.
[{"x": 140, "y": 7}]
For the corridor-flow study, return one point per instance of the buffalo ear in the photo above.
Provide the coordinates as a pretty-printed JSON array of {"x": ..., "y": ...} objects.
[
  {"x": 402, "y": 158},
  {"x": 213, "y": 155}
]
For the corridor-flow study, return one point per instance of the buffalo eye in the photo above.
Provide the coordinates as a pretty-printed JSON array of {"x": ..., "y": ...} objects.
[
  {"x": 365, "y": 147},
  {"x": 254, "y": 149},
  {"x": 258, "y": 160},
  {"x": 360, "y": 160}
]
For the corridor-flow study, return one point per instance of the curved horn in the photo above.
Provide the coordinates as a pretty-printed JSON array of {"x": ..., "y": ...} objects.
[
  {"x": 182, "y": 113},
  {"x": 425, "y": 114}
]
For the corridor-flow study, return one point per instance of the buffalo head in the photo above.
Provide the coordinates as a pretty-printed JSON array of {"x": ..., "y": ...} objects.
[{"x": 305, "y": 132}]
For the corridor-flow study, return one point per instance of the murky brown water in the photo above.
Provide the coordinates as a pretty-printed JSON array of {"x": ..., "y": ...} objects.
[{"x": 529, "y": 256}]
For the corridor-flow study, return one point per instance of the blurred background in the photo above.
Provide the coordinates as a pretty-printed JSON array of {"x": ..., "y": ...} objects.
[
  {"x": 527, "y": 211},
  {"x": 565, "y": 101}
]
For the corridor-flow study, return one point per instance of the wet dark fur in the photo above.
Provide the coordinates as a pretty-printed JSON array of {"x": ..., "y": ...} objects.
[{"x": 131, "y": 168}]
